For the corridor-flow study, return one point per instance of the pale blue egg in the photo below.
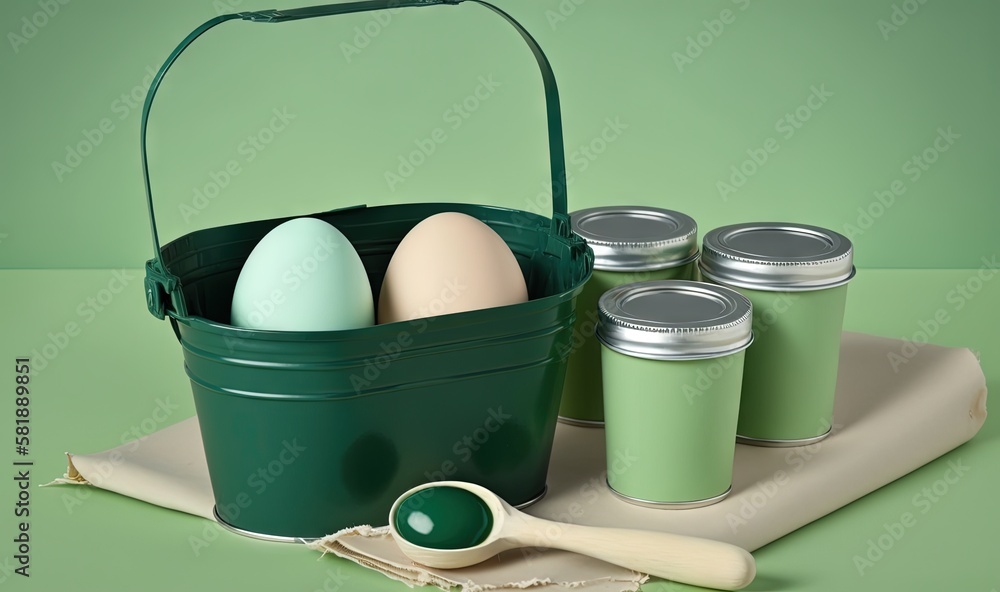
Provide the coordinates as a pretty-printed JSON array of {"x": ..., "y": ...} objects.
[{"x": 304, "y": 275}]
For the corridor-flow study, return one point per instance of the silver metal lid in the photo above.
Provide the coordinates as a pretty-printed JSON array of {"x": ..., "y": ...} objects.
[
  {"x": 674, "y": 320},
  {"x": 637, "y": 238},
  {"x": 777, "y": 256}
]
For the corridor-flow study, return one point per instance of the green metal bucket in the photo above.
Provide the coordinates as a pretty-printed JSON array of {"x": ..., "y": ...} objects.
[{"x": 307, "y": 433}]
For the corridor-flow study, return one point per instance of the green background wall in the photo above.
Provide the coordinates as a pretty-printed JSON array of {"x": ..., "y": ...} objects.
[
  {"x": 693, "y": 86},
  {"x": 689, "y": 90}
]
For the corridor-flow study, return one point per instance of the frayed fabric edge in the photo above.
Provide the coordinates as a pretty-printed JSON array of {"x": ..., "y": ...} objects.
[{"x": 418, "y": 576}]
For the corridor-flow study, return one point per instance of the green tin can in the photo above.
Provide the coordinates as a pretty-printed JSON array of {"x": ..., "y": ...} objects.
[
  {"x": 796, "y": 277},
  {"x": 672, "y": 353},
  {"x": 631, "y": 244}
]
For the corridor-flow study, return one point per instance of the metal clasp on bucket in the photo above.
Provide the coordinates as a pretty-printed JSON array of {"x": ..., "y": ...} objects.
[{"x": 162, "y": 287}]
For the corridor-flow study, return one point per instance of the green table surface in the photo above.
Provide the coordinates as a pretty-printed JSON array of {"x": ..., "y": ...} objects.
[{"x": 121, "y": 365}]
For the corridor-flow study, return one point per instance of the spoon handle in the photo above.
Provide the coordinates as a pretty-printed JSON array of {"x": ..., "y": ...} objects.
[{"x": 690, "y": 560}]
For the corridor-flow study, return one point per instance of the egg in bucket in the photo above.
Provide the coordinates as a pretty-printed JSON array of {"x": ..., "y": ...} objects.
[
  {"x": 345, "y": 420},
  {"x": 449, "y": 263},
  {"x": 303, "y": 276}
]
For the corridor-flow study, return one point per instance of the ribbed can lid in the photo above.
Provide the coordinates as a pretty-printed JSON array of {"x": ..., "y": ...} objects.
[
  {"x": 777, "y": 256},
  {"x": 637, "y": 238},
  {"x": 674, "y": 320}
]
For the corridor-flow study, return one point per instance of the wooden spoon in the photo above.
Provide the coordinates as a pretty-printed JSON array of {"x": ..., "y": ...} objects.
[{"x": 685, "y": 559}]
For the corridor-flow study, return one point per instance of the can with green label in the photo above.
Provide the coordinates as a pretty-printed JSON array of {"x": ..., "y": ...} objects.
[
  {"x": 796, "y": 277},
  {"x": 630, "y": 244},
  {"x": 672, "y": 353}
]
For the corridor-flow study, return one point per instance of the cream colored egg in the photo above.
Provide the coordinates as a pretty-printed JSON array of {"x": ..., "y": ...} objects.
[{"x": 446, "y": 264}]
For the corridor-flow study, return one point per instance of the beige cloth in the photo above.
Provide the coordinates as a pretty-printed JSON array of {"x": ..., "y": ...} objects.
[
  {"x": 538, "y": 569},
  {"x": 886, "y": 424}
]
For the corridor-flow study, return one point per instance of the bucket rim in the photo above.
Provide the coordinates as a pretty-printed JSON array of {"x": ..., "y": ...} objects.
[{"x": 464, "y": 318}]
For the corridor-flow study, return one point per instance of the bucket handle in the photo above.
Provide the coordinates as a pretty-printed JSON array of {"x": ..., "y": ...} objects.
[{"x": 162, "y": 286}]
